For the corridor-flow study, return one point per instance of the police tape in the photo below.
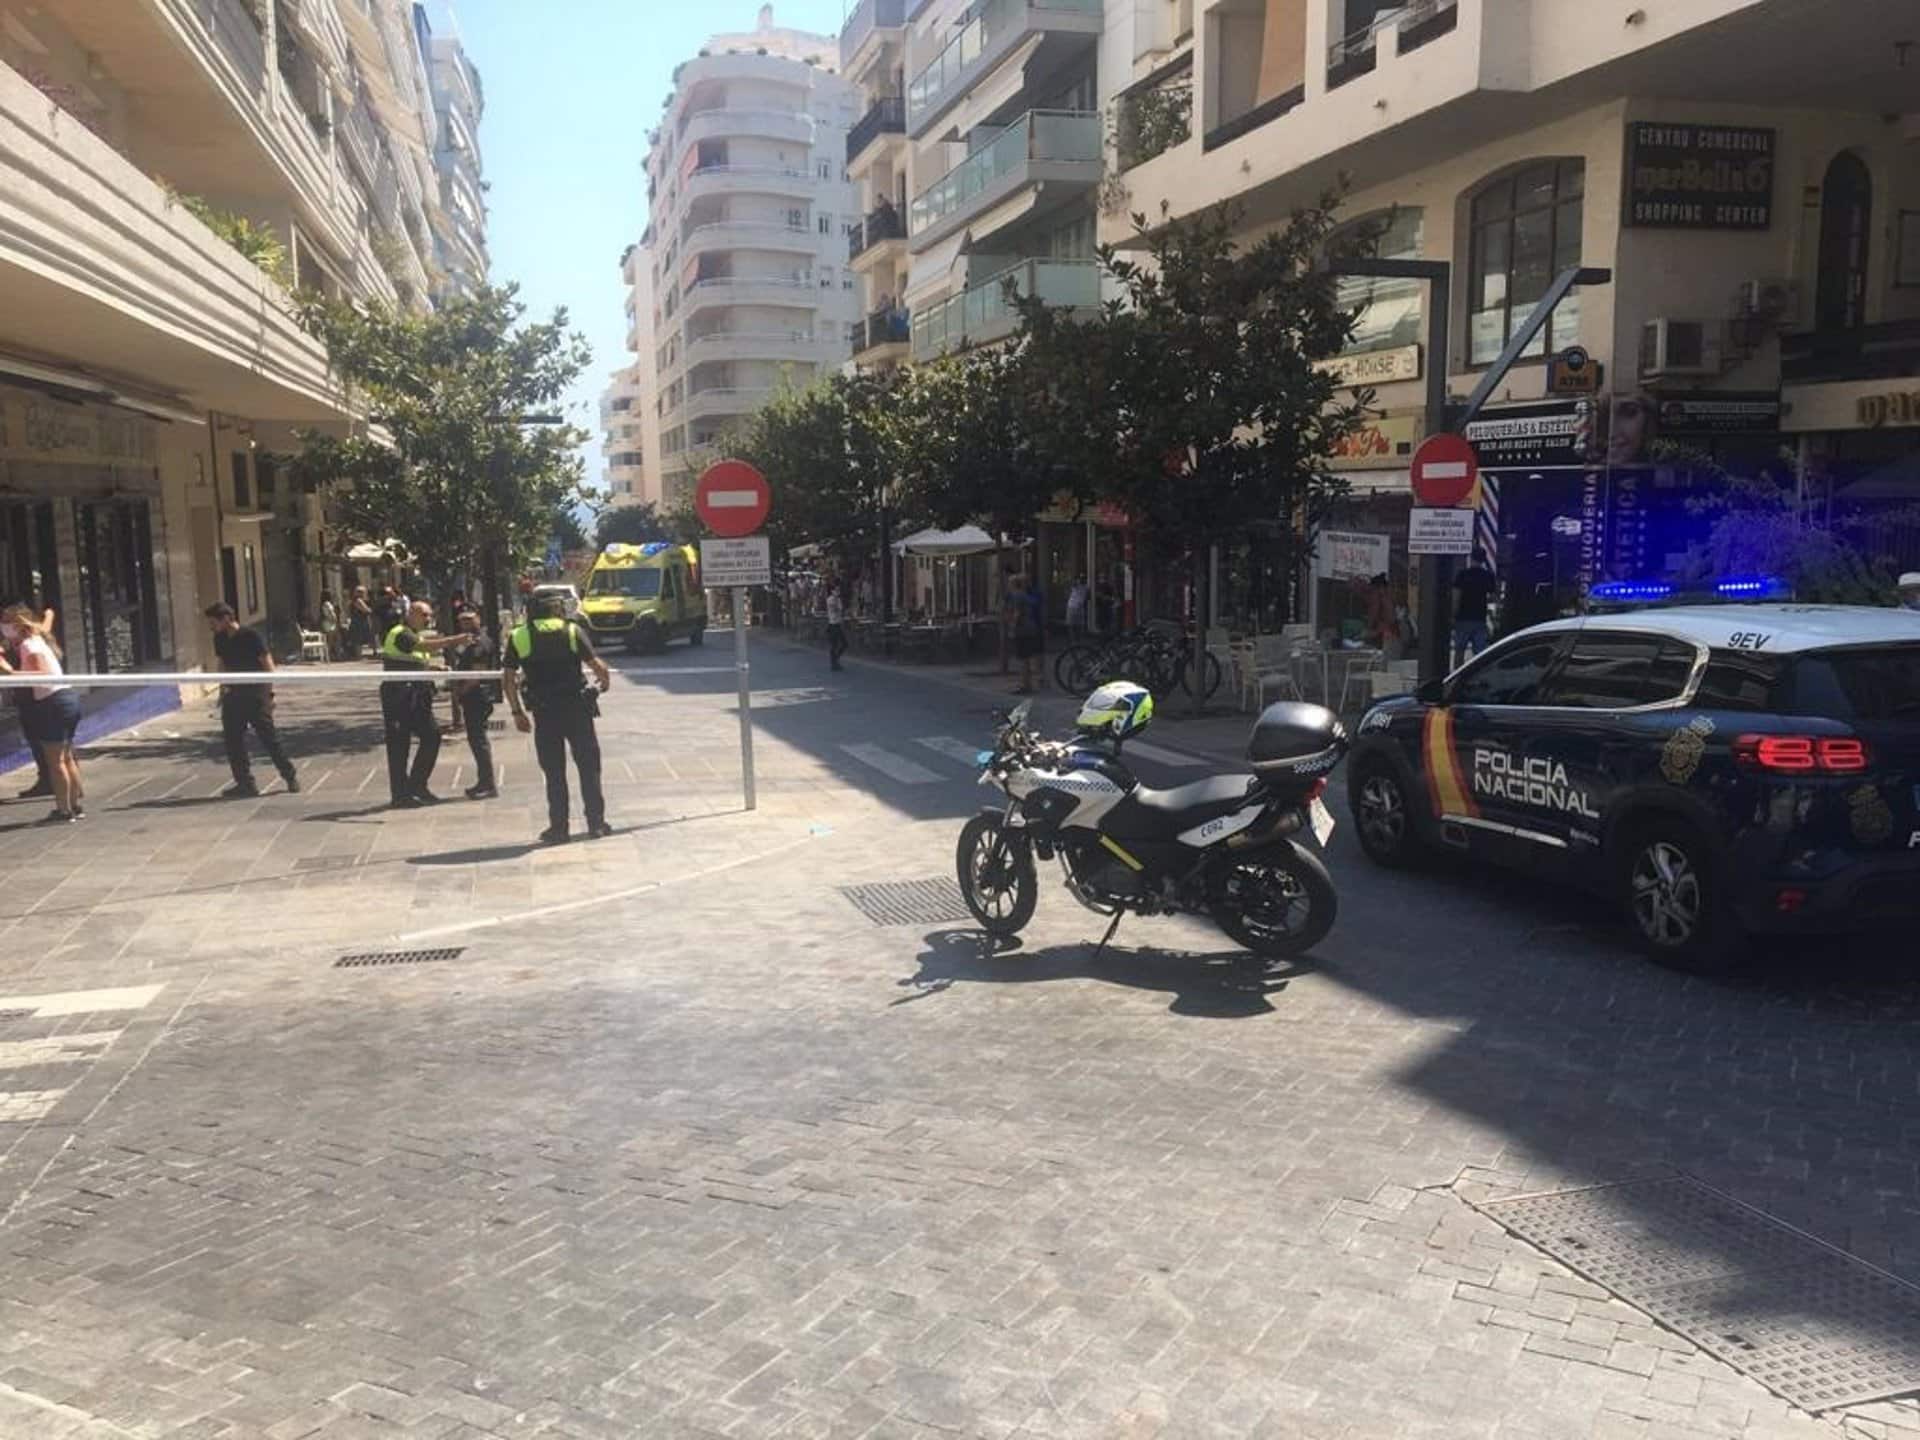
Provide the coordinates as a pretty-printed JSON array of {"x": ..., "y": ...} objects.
[{"x": 140, "y": 680}]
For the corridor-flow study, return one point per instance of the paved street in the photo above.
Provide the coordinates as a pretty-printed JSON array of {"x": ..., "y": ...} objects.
[{"x": 681, "y": 1144}]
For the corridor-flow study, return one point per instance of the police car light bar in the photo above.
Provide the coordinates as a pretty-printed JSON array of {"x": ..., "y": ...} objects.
[
  {"x": 1616, "y": 590},
  {"x": 1644, "y": 592},
  {"x": 1766, "y": 585}
]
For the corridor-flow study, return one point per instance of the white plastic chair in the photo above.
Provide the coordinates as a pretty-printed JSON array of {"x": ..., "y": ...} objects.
[
  {"x": 313, "y": 646},
  {"x": 1360, "y": 672},
  {"x": 1273, "y": 670}
]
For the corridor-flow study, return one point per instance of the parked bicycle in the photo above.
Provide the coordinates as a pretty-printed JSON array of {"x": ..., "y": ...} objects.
[{"x": 1159, "y": 655}]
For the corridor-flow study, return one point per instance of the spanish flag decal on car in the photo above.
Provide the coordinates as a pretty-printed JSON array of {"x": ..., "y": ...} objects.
[{"x": 1446, "y": 782}]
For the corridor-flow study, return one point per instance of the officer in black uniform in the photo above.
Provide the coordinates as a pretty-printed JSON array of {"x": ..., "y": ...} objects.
[
  {"x": 542, "y": 661},
  {"x": 476, "y": 699},
  {"x": 407, "y": 708}
]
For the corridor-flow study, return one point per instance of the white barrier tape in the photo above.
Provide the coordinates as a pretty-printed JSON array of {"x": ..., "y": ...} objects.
[{"x": 140, "y": 681}]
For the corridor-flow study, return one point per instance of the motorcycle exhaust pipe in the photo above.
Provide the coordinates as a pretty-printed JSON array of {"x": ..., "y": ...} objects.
[{"x": 1288, "y": 822}]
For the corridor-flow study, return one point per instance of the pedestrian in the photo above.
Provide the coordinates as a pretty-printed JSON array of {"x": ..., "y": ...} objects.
[
  {"x": 244, "y": 707},
  {"x": 836, "y": 626},
  {"x": 406, "y": 707},
  {"x": 1077, "y": 608},
  {"x": 456, "y": 607},
  {"x": 542, "y": 661},
  {"x": 1473, "y": 590},
  {"x": 1383, "y": 621},
  {"x": 475, "y": 700},
  {"x": 384, "y": 615},
  {"x": 50, "y": 717},
  {"x": 330, "y": 624},
  {"x": 18, "y": 700},
  {"x": 360, "y": 632},
  {"x": 1029, "y": 634}
]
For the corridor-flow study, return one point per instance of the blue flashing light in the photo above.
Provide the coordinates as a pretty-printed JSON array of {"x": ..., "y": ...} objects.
[
  {"x": 983, "y": 759},
  {"x": 1747, "y": 589},
  {"x": 1633, "y": 590},
  {"x": 654, "y": 547}
]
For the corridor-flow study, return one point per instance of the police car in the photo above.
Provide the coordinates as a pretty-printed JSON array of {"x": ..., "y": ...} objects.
[{"x": 1722, "y": 770}]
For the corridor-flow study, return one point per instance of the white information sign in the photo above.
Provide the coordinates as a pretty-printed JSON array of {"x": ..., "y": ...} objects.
[
  {"x": 1440, "y": 532},
  {"x": 1353, "y": 554},
  {"x": 726, "y": 564}
]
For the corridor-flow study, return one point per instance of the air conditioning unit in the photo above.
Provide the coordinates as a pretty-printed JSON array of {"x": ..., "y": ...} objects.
[
  {"x": 1679, "y": 347},
  {"x": 1774, "y": 301}
]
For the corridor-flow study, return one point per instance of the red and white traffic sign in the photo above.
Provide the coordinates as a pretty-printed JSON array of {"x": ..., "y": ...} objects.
[
  {"x": 1444, "y": 471},
  {"x": 732, "y": 499}
]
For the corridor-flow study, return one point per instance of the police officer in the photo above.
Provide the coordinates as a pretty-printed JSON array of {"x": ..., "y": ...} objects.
[
  {"x": 542, "y": 661},
  {"x": 407, "y": 708},
  {"x": 475, "y": 700}
]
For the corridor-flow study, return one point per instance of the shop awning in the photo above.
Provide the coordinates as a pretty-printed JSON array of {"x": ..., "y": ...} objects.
[{"x": 967, "y": 540}]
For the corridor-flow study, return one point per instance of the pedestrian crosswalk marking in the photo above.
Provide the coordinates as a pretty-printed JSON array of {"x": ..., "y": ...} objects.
[
  {"x": 894, "y": 767},
  {"x": 21, "y": 1105},
  {"x": 947, "y": 745},
  {"x": 82, "y": 1002},
  {"x": 55, "y": 1050},
  {"x": 1165, "y": 757}
]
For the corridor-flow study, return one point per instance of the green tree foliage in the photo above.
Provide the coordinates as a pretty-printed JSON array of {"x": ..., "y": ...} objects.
[
  {"x": 454, "y": 463},
  {"x": 629, "y": 525},
  {"x": 568, "y": 530}
]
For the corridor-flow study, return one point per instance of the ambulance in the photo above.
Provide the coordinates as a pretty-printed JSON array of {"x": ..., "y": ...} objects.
[{"x": 642, "y": 596}]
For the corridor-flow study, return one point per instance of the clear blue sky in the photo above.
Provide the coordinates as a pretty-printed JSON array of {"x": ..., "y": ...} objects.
[{"x": 573, "y": 86}]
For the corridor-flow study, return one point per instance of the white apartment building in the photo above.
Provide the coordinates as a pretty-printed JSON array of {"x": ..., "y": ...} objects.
[
  {"x": 1749, "y": 170},
  {"x": 459, "y": 105},
  {"x": 150, "y": 374},
  {"x": 746, "y": 285},
  {"x": 623, "y": 409}
]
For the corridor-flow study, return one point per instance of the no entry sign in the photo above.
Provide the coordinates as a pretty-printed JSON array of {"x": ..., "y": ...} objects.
[
  {"x": 1444, "y": 471},
  {"x": 732, "y": 499}
]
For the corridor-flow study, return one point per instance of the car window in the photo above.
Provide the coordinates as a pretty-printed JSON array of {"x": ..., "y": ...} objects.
[
  {"x": 1853, "y": 685},
  {"x": 1738, "y": 680},
  {"x": 1672, "y": 669},
  {"x": 1510, "y": 675},
  {"x": 1606, "y": 670}
]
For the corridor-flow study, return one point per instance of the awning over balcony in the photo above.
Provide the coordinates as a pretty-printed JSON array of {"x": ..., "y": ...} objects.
[{"x": 934, "y": 268}]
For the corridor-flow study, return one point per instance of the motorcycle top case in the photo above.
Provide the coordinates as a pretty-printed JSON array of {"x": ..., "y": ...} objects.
[{"x": 1293, "y": 740}]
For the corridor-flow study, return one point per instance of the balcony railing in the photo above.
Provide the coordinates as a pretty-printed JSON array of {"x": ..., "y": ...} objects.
[
  {"x": 888, "y": 116},
  {"x": 881, "y": 225},
  {"x": 882, "y": 327},
  {"x": 1351, "y": 57},
  {"x": 1071, "y": 135},
  {"x": 992, "y": 26},
  {"x": 240, "y": 39},
  {"x": 869, "y": 16},
  {"x": 986, "y": 312},
  {"x": 1426, "y": 20}
]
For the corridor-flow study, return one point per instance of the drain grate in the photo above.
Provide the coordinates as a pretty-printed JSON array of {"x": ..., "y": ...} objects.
[
  {"x": 397, "y": 957},
  {"x": 1810, "y": 1322},
  {"x": 909, "y": 902}
]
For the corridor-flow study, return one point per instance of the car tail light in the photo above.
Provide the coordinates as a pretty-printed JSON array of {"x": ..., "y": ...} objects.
[
  {"x": 1316, "y": 790},
  {"x": 1802, "y": 754}
]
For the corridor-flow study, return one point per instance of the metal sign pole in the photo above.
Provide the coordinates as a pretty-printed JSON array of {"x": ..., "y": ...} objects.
[{"x": 740, "y": 594}]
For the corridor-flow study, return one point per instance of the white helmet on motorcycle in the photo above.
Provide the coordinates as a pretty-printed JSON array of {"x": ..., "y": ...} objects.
[{"x": 1120, "y": 709}]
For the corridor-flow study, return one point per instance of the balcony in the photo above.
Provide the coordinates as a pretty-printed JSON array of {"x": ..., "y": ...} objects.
[
  {"x": 746, "y": 180},
  {"x": 985, "y": 313},
  {"x": 724, "y": 124},
  {"x": 703, "y": 404},
  {"x": 749, "y": 235},
  {"x": 1056, "y": 149},
  {"x": 993, "y": 31},
  {"x": 880, "y": 331},
  {"x": 869, "y": 17},
  {"x": 887, "y": 116},
  {"x": 750, "y": 290},
  {"x": 879, "y": 227},
  {"x": 787, "y": 346}
]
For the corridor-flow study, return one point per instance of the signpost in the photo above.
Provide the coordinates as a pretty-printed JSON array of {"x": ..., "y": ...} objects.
[
  {"x": 1444, "y": 471},
  {"x": 732, "y": 500}
]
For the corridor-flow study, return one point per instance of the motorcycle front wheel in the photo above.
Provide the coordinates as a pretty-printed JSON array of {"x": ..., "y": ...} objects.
[
  {"x": 1276, "y": 902},
  {"x": 997, "y": 878}
]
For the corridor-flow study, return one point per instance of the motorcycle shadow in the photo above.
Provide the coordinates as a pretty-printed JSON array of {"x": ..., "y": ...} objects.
[{"x": 1218, "y": 985}]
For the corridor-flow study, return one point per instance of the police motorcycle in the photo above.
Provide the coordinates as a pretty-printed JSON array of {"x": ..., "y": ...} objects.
[{"x": 1226, "y": 848}]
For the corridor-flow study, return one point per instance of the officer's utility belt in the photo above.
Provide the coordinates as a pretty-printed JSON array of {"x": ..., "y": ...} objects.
[{"x": 587, "y": 697}]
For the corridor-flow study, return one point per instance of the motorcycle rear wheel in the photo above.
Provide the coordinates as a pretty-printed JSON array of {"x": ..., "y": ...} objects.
[
  {"x": 1277, "y": 902},
  {"x": 997, "y": 877}
]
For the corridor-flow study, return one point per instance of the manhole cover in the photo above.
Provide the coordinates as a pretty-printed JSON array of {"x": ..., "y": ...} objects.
[
  {"x": 909, "y": 902},
  {"x": 1813, "y": 1324},
  {"x": 397, "y": 957}
]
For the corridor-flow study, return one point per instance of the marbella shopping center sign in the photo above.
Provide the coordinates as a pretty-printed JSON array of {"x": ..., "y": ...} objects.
[{"x": 1699, "y": 177}]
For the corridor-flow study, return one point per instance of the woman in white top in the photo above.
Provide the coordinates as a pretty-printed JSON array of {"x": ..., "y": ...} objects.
[{"x": 51, "y": 714}]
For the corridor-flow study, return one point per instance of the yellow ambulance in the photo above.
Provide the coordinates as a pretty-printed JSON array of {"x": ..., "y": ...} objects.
[{"x": 642, "y": 596}]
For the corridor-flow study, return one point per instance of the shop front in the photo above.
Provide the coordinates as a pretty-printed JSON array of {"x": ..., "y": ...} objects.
[
  {"x": 1094, "y": 546},
  {"x": 1360, "y": 577},
  {"x": 1857, "y": 444}
]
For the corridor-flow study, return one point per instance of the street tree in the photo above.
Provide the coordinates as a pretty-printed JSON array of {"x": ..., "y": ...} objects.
[
  {"x": 630, "y": 525},
  {"x": 456, "y": 458}
]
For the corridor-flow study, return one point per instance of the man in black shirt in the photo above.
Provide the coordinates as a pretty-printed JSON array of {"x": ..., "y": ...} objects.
[
  {"x": 1473, "y": 589},
  {"x": 475, "y": 700},
  {"x": 542, "y": 660},
  {"x": 242, "y": 651}
]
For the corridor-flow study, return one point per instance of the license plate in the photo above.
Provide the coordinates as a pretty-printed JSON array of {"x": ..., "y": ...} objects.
[{"x": 1321, "y": 819}]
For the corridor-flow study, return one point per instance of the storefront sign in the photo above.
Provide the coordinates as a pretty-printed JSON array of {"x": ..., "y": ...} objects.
[
  {"x": 1573, "y": 372},
  {"x": 1720, "y": 412},
  {"x": 39, "y": 428},
  {"x": 1352, "y": 555},
  {"x": 1105, "y": 514},
  {"x": 1533, "y": 437},
  {"x": 1382, "y": 442},
  {"x": 1440, "y": 532},
  {"x": 1373, "y": 367},
  {"x": 1699, "y": 177},
  {"x": 1895, "y": 407}
]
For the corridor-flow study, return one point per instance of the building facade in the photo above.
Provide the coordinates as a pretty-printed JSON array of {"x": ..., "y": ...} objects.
[
  {"x": 1748, "y": 170},
  {"x": 740, "y": 284},
  {"x": 459, "y": 104},
  {"x": 151, "y": 373}
]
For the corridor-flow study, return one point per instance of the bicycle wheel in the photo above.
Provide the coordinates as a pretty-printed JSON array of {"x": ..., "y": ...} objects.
[{"x": 1211, "y": 675}]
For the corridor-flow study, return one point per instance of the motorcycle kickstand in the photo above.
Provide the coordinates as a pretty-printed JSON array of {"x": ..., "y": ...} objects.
[{"x": 1101, "y": 948}]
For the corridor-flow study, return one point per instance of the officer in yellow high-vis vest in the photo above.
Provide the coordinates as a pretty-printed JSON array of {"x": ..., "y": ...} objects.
[
  {"x": 543, "y": 661},
  {"x": 406, "y": 708}
]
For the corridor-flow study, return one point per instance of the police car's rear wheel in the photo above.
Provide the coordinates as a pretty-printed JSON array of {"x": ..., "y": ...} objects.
[
  {"x": 1382, "y": 817},
  {"x": 1672, "y": 898}
]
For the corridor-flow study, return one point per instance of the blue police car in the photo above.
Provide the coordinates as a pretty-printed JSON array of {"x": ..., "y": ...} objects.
[{"x": 1722, "y": 770}]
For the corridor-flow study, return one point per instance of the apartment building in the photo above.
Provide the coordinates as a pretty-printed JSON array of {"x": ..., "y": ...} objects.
[
  {"x": 740, "y": 284},
  {"x": 459, "y": 103},
  {"x": 151, "y": 375},
  {"x": 1749, "y": 171}
]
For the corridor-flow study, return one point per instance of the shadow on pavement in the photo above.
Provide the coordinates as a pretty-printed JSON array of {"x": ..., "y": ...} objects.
[
  {"x": 182, "y": 802},
  {"x": 478, "y": 855},
  {"x": 1219, "y": 985},
  {"x": 365, "y": 812}
]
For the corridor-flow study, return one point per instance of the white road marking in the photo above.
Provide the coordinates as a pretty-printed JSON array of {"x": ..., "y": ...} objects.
[
  {"x": 894, "y": 767},
  {"x": 82, "y": 1002},
  {"x": 947, "y": 745},
  {"x": 27, "y": 1104},
  {"x": 55, "y": 1050},
  {"x": 1165, "y": 757}
]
